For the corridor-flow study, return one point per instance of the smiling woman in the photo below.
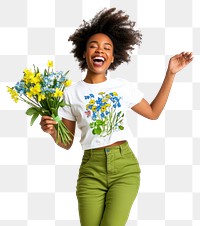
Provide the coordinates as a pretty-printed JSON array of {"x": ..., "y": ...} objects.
[
  {"x": 109, "y": 175},
  {"x": 98, "y": 55}
]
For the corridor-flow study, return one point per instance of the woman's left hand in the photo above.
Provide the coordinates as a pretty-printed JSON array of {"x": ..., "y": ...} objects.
[{"x": 179, "y": 61}]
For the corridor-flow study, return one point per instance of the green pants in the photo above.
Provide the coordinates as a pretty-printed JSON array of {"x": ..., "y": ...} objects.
[{"x": 107, "y": 186}]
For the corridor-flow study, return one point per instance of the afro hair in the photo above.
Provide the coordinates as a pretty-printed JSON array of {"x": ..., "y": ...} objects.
[{"x": 117, "y": 26}]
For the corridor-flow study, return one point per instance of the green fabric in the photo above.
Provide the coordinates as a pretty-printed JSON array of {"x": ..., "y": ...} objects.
[
  {"x": 57, "y": 119},
  {"x": 107, "y": 186}
]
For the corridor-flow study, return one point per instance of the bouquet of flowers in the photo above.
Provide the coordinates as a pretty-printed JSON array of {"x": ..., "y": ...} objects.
[{"x": 43, "y": 92}]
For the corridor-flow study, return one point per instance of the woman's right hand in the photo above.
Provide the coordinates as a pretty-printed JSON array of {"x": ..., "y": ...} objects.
[{"x": 47, "y": 125}]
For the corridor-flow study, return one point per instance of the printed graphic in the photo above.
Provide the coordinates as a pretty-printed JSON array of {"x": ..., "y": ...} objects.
[{"x": 104, "y": 112}]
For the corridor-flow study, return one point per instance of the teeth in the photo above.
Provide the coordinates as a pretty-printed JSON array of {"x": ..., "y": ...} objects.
[{"x": 99, "y": 58}]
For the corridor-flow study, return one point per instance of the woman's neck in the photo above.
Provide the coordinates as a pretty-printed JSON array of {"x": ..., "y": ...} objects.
[{"x": 95, "y": 78}]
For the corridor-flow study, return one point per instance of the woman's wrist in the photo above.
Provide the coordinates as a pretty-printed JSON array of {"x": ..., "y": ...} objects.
[{"x": 170, "y": 73}]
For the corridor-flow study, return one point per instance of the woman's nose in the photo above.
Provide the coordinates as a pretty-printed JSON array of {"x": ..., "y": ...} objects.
[{"x": 99, "y": 50}]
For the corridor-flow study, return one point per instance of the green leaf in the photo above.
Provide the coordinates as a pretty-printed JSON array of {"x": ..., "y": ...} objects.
[
  {"x": 45, "y": 72},
  {"x": 35, "y": 115},
  {"x": 97, "y": 130},
  {"x": 121, "y": 127},
  {"x": 37, "y": 71},
  {"x": 99, "y": 122},
  {"x": 45, "y": 111},
  {"x": 31, "y": 111},
  {"x": 54, "y": 111},
  {"x": 66, "y": 73},
  {"x": 62, "y": 104}
]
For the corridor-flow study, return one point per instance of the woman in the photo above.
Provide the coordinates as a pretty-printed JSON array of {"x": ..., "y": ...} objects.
[{"x": 109, "y": 174}]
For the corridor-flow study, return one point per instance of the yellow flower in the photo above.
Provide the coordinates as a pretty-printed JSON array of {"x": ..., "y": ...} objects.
[
  {"x": 107, "y": 96},
  {"x": 41, "y": 97},
  {"x": 104, "y": 100},
  {"x": 9, "y": 89},
  {"x": 68, "y": 83},
  {"x": 94, "y": 108},
  {"x": 115, "y": 94},
  {"x": 29, "y": 94},
  {"x": 92, "y": 101},
  {"x": 28, "y": 75},
  {"x": 36, "y": 89},
  {"x": 13, "y": 93},
  {"x": 87, "y": 106},
  {"x": 101, "y": 93},
  {"x": 58, "y": 93},
  {"x": 36, "y": 78},
  {"x": 27, "y": 71},
  {"x": 50, "y": 63},
  {"x": 103, "y": 108},
  {"x": 108, "y": 105}
]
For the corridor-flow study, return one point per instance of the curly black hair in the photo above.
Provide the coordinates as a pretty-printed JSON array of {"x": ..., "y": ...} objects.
[{"x": 117, "y": 26}]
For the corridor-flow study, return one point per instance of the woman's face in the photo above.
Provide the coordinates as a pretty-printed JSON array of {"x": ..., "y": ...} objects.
[{"x": 99, "y": 53}]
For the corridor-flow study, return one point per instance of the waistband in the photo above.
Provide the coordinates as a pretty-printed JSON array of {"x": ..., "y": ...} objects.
[{"x": 112, "y": 149}]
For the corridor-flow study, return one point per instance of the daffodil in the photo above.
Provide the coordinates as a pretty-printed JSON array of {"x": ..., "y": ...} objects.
[
  {"x": 50, "y": 63},
  {"x": 58, "y": 93},
  {"x": 35, "y": 89},
  {"x": 28, "y": 75},
  {"x": 43, "y": 92},
  {"x": 41, "y": 97},
  {"x": 68, "y": 83},
  {"x": 36, "y": 79},
  {"x": 29, "y": 94},
  {"x": 13, "y": 93}
]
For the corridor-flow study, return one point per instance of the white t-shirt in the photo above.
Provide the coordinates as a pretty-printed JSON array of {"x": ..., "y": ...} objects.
[{"x": 100, "y": 110}]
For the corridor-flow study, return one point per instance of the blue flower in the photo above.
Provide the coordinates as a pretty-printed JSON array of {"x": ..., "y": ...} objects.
[
  {"x": 94, "y": 116},
  {"x": 91, "y": 95},
  {"x": 118, "y": 105},
  {"x": 87, "y": 97},
  {"x": 99, "y": 100},
  {"x": 98, "y": 107},
  {"x": 102, "y": 115}
]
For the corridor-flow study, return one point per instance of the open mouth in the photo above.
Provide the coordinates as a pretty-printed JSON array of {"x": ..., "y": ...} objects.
[{"x": 98, "y": 61}]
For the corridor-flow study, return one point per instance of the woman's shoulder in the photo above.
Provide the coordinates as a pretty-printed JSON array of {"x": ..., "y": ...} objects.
[
  {"x": 73, "y": 86},
  {"x": 120, "y": 81}
]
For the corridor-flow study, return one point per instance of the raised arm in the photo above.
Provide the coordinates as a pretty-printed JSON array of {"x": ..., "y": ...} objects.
[
  {"x": 47, "y": 125},
  {"x": 153, "y": 110}
]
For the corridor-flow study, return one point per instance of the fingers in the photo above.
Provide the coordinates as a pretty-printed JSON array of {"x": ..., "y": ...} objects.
[
  {"x": 187, "y": 56},
  {"x": 47, "y": 124}
]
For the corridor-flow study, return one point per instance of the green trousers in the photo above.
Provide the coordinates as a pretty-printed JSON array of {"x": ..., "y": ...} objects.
[{"x": 107, "y": 186}]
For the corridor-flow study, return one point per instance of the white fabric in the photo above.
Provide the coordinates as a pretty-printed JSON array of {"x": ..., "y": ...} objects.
[{"x": 94, "y": 106}]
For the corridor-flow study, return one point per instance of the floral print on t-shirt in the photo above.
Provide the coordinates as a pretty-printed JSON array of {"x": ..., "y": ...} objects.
[{"x": 105, "y": 113}]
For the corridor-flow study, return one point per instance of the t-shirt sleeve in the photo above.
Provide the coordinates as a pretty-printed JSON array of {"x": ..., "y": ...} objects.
[
  {"x": 67, "y": 112},
  {"x": 134, "y": 95}
]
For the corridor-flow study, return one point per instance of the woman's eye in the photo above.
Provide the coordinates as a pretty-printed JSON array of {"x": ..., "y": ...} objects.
[{"x": 93, "y": 46}]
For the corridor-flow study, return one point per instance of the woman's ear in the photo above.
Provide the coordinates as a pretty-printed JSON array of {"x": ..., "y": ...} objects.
[
  {"x": 84, "y": 54},
  {"x": 112, "y": 59}
]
